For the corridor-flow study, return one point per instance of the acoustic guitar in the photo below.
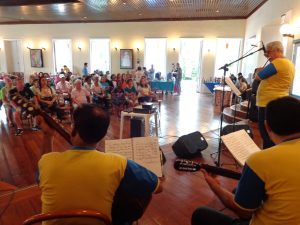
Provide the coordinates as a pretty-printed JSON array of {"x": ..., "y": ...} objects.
[{"x": 191, "y": 166}]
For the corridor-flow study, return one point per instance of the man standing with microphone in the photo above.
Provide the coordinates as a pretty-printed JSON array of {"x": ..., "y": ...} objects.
[{"x": 276, "y": 79}]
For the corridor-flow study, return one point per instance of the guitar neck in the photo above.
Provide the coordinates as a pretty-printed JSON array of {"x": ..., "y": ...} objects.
[
  {"x": 53, "y": 124},
  {"x": 221, "y": 171}
]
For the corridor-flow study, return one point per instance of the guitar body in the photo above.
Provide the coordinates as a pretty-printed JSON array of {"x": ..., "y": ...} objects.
[{"x": 127, "y": 208}]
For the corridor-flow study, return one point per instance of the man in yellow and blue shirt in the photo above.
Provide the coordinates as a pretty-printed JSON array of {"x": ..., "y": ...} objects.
[
  {"x": 276, "y": 80},
  {"x": 269, "y": 189},
  {"x": 84, "y": 178}
]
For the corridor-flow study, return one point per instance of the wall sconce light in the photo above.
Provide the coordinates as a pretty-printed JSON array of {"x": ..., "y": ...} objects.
[
  {"x": 138, "y": 49},
  {"x": 287, "y": 30},
  {"x": 116, "y": 49},
  {"x": 28, "y": 47},
  {"x": 79, "y": 48},
  {"x": 174, "y": 49},
  {"x": 43, "y": 48}
]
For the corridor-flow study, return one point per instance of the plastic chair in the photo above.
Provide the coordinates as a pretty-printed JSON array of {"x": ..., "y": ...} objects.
[{"x": 76, "y": 213}]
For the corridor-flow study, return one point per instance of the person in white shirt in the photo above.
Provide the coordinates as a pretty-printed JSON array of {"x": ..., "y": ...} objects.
[
  {"x": 139, "y": 74},
  {"x": 63, "y": 86},
  {"x": 79, "y": 95}
]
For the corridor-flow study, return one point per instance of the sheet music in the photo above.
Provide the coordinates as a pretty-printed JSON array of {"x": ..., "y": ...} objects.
[
  {"x": 146, "y": 153},
  {"x": 120, "y": 146},
  {"x": 232, "y": 86},
  {"x": 240, "y": 145}
]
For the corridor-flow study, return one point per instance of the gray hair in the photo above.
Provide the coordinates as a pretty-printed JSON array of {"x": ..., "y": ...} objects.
[
  {"x": 275, "y": 45},
  {"x": 77, "y": 81}
]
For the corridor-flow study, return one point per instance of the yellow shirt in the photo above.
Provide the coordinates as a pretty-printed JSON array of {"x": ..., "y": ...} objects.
[
  {"x": 93, "y": 187},
  {"x": 277, "y": 78},
  {"x": 278, "y": 168}
]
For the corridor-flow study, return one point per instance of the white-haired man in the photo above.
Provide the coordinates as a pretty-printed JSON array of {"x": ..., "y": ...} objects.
[
  {"x": 79, "y": 95},
  {"x": 276, "y": 80}
]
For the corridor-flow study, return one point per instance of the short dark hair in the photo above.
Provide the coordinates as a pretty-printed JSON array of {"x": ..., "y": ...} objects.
[
  {"x": 91, "y": 122},
  {"x": 283, "y": 115}
]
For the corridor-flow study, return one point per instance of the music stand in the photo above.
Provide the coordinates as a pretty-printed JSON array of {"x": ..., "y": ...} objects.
[{"x": 225, "y": 69}]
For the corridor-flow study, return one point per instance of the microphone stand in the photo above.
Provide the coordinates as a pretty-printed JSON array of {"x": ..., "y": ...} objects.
[{"x": 225, "y": 69}]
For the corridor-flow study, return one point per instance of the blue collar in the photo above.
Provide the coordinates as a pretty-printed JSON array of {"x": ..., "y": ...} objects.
[
  {"x": 293, "y": 138},
  {"x": 82, "y": 148}
]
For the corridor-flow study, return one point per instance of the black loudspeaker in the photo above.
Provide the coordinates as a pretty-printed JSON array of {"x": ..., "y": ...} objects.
[
  {"x": 232, "y": 128},
  {"x": 137, "y": 127},
  {"x": 189, "y": 145}
]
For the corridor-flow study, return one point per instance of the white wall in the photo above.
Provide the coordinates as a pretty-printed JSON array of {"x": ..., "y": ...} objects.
[
  {"x": 266, "y": 21},
  {"x": 122, "y": 35}
]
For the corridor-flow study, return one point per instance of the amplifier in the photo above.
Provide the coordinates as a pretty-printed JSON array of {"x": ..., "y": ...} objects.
[
  {"x": 147, "y": 105},
  {"x": 145, "y": 111}
]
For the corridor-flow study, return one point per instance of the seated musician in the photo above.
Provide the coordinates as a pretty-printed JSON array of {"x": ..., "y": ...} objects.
[
  {"x": 84, "y": 178},
  {"x": 26, "y": 94},
  {"x": 269, "y": 189},
  {"x": 79, "y": 95}
]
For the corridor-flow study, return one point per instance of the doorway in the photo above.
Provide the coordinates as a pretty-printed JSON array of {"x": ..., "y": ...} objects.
[{"x": 13, "y": 56}]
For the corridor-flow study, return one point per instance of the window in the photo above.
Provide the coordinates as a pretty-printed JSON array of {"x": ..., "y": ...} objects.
[
  {"x": 296, "y": 83},
  {"x": 155, "y": 53},
  {"x": 189, "y": 57},
  {"x": 62, "y": 54},
  {"x": 228, "y": 50},
  {"x": 249, "y": 63},
  {"x": 100, "y": 54}
]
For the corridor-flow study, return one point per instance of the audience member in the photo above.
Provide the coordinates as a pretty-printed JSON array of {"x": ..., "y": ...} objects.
[
  {"x": 131, "y": 93},
  {"x": 63, "y": 86},
  {"x": 151, "y": 73},
  {"x": 47, "y": 98},
  {"x": 138, "y": 75},
  {"x": 85, "y": 70},
  {"x": 79, "y": 95},
  {"x": 24, "y": 92}
]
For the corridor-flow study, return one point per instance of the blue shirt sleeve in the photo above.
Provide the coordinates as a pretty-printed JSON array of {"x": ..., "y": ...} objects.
[
  {"x": 250, "y": 191},
  {"x": 137, "y": 180},
  {"x": 268, "y": 71}
]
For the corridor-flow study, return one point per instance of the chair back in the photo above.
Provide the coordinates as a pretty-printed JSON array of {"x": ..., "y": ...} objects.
[{"x": 77, "y": 213}]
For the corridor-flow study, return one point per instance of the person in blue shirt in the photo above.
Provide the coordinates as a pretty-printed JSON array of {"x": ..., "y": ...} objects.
[{"x": 85, "y": 71}]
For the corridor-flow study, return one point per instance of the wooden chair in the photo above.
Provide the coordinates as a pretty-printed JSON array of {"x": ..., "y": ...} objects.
[{"x": 79, "y": 213}]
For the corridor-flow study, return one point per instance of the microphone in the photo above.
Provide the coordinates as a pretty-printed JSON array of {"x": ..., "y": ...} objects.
[
  {"x": 254, "y": 45},
  {"x": 263, "y": 47}
]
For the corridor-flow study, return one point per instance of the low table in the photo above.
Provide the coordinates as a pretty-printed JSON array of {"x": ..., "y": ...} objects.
[{"x": 146, "y": 116}]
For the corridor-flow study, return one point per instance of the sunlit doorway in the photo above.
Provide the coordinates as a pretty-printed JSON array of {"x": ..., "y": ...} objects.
[
  {"x": 189, "y": 58},
  {"x": 62, "y": 52}
]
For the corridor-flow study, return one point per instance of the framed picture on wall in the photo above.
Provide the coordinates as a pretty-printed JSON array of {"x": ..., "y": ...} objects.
[
  {"x": 36, "y": 58},
  {"x": 126, "y": 58}
]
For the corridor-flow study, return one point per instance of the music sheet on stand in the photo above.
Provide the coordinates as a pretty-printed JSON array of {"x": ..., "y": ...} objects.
[
  {"x": 120, "y": 146},
  {"x": 240, "y": 145},
  {"x": 146, "y": 153}
]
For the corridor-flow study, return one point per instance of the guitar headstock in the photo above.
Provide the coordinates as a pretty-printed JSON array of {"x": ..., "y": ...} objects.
[{"x": 186, "y": 165}]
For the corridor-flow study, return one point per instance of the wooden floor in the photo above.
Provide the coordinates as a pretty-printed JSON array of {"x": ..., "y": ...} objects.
[{"x": 183, "y": 192}]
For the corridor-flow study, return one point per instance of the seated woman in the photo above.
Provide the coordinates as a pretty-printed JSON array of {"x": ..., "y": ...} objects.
[
  {"x": 88, "y": 83},
  {"x": 243, "y": 86},
  {"x": 144, "y": 91},
  {"x": 118, "y": 98},
  {"x": 98, "y": 93},
  {"x": 131, "y": 93},
  {"x": 47, "y": 98}
]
